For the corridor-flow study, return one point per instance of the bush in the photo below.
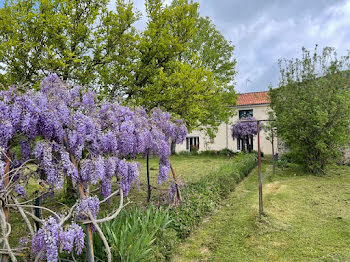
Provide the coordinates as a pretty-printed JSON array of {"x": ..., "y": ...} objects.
[
  {"x": 202, "y": 197},
  {"x": 312, "y": 106},
  {"x": 223, "y": 152},
  {"x": 137, "y": 235}
]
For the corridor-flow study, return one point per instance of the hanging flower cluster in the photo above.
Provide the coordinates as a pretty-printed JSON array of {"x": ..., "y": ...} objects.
[
  {"x": 244, "y": 130},
  {"x": 244, "y": 127},
  {"x": 70, "y": 133}
]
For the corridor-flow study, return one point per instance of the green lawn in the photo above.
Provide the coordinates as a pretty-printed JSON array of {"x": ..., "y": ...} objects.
[
  {"x": 307, "y": 219},
  {"x": 187, "y": 168}
]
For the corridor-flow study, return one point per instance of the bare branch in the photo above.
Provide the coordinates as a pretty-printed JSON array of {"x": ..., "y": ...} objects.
[
  {"x": 25, "y": 218},
  {"x": 32, "y": 206},
  {"x": 108, "y": 218},
  {"x": 111, "y": 195}
]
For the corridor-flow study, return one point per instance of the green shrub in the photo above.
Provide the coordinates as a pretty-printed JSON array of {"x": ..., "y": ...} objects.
[
  {"x": 135, "y": 234},
  {"x": 222, "y": 152},
  {"x": 202, "y": 197},
  {"x": 226, "y": 152}
]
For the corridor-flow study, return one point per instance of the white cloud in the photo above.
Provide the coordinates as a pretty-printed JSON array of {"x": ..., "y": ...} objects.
[{"x": 264, "y": 31}]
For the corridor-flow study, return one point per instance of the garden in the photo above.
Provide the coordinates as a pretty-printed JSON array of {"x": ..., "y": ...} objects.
[
  {"x": 92, "y": 110},
  {"x": 71, "y": 184}
]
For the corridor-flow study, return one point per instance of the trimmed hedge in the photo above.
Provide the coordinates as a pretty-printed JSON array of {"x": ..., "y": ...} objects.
[
  {"x": 152, "y": 234},
  {"x": 202, "y": 197}
]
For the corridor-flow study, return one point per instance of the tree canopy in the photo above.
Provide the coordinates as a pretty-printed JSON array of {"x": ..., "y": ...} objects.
[
  {"x": 179, "y": 62},
  {"x": 312, "y": 106},
  {"x": 80, "y": 40}
]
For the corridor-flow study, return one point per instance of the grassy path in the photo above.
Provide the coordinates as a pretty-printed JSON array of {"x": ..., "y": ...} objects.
[{"x": 307, "y": 219}]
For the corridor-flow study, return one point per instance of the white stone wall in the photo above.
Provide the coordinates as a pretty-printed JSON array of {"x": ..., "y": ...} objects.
[
  {"x": 224, "y": 139},
  {"x": 346, "y": 155}
]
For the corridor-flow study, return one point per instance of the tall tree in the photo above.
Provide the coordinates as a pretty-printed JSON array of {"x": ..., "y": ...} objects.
[
  {"x": 79, "y": 40},
  {"x": 176, "y": 73},
  {"x": 312, "y": 106}
]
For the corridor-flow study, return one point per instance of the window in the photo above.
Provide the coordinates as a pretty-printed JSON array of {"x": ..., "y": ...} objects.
[
  {"x": 245, "y": 144},
  {"x": 245, "y": 113},
  {"x": 192, "y": 143}
]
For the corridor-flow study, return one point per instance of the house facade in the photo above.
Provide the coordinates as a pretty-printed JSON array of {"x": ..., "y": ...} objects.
[{"x": 255, "y": 105}]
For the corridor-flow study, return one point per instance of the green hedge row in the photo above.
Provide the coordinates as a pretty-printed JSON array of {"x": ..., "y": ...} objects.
[
  {"x": 202, "y": 197},
  {"x": 151, "y": 234}
]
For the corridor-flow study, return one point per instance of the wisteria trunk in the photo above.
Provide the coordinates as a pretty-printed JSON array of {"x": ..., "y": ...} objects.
[
  {"x": 5, "y": 257},
  {"x": 90, "y": 245}
]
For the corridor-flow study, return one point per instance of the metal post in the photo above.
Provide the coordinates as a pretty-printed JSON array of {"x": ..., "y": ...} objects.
[
  {"x": 148, "y": 180},
  {"x": 259, "y": 170},
  {"x": 37, "y": 211}
]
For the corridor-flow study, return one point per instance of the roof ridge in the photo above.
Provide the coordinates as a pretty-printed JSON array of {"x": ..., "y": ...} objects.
[{"x": 253, "y": 92}]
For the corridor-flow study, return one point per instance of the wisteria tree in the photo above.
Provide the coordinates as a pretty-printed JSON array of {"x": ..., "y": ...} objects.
[
  {"x": 244, "y": 130},
  {"x": 69, "y": 133}
]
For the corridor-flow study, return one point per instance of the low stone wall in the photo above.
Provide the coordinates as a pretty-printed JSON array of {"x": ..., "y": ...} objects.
[
  {"x": 346, "y": 155},
  {"x": 281, "y": 148}
]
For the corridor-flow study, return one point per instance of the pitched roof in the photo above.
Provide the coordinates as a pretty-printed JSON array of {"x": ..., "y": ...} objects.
[{"x": 254, "y": 98}]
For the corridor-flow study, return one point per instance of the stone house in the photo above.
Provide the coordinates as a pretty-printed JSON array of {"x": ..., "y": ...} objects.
[{"x": 256, "y": 104}]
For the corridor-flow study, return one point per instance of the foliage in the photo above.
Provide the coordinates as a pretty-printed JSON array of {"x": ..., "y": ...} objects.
[
  {"x": 69, "y": 133},
  {"x": 176, "y": 74},
  {"x": 214, "y": 51},
  {"x": 82, "y": 41},
  {"x": 135, "y": 234},
  {"x": 312, "y": 106},
  {"x": 223, "y": 152},
  {"x": 201, "y": 198}
]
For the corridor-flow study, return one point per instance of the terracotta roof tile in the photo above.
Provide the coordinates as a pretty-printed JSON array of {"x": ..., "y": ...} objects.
[{"x": 254, "y": 98}]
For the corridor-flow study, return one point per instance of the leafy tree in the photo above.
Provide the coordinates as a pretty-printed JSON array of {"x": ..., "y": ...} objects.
[
  {"x": 176, "y": 74},
  {"x": 215, "y": 52},
  {"x": 312, "y": 106},
  {"x": 80, "y": 40}
]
